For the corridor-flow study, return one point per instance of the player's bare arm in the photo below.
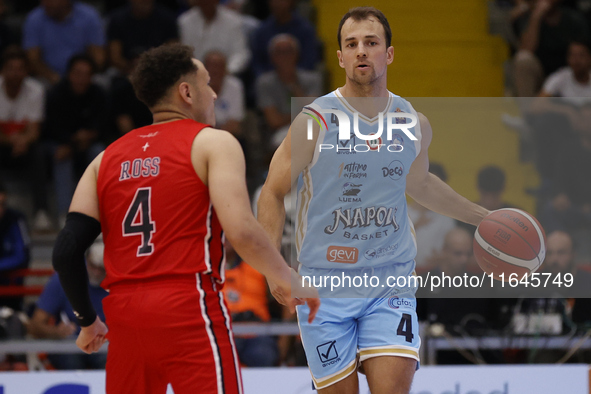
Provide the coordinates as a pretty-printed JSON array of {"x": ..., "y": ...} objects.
[
  {"x": 434, "y": 194},
  {"x": 219, "y": 162},
  {"x": 293, "y": 155},
  {"x": 81, "y": 229}
]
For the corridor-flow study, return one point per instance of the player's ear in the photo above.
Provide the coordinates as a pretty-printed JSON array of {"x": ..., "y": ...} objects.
[
  {"x": 390, "y": 54},
  {"x": 185, "y": 92},
  {"x": 340, "y": 56}
]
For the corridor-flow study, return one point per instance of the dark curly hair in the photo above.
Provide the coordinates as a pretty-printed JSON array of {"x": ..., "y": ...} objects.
[
  {"x": 363, "y": 13},
  {"x": 159, "y": 69}
]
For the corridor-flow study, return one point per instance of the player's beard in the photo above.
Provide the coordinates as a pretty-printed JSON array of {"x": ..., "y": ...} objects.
[{"x": 365, "y": 80}]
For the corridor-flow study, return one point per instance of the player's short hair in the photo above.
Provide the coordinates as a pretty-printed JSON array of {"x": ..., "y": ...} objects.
[
  {"x": 159, "y": 69},
  {"x": 14, "y": 52},
  {"x": 362, "y": 13},
  {"x": 82, "y": 57},
  {"x": 2, "y": 188},
  {"x": 491, "y": 179}
]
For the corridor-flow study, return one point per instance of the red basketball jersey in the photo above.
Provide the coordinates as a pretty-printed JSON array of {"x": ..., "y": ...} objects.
[{"x": 156, "y": 215}]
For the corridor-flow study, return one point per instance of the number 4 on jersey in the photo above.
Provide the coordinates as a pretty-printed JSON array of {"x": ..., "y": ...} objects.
[{"x": 138, "y": 221}]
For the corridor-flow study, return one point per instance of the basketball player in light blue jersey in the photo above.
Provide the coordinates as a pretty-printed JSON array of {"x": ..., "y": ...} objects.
[{"x": 352, "y": 217}]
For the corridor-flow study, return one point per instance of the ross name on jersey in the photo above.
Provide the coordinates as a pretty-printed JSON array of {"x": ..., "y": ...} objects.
[{"x": 140, "y": 168}]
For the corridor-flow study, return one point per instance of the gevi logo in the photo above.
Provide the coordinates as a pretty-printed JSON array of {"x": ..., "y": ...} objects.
[{"x": 344, "y": 125}]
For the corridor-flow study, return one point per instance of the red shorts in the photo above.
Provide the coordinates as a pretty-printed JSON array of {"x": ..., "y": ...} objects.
[{"x": 173, "y": 331}]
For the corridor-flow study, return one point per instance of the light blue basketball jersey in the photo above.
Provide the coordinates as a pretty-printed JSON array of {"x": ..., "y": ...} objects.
[{"x": 351, "y": 205}]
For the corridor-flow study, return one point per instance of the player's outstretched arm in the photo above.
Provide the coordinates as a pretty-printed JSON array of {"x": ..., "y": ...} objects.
[
  {"x": 219, "y": 162},
  {"x": 434, "y": 194},
  {"x": 81, "y": 229}
]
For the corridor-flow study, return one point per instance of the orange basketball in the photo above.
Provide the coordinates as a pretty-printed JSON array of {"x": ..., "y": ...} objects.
[{"x": 509, "y": 241}]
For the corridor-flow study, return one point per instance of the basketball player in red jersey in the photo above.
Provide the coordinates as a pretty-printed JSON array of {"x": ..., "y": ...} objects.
[{"x": 161, "y": 195}]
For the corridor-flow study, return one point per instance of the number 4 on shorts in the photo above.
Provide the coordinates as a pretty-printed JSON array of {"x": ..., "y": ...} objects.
[
  {"x": 138, "y": 221},
  {"x": 405, "y": 327}
]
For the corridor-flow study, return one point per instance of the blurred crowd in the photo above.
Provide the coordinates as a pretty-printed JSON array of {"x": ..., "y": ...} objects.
[{"x": 65, "y": 96}]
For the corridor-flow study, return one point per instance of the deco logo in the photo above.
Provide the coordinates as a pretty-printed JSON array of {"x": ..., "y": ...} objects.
[{"x": 394, "y": 171}]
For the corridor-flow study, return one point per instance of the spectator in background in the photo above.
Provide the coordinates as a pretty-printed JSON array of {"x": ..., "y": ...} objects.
[
  {"x": 274, "y": 89},
  {"x": 229, "y": 106},
  {"x": 137, "y": 27},
  {"x": 574, "y": 80},
  {"x": 209, "y": 26},
  {"x": 21, "y": 113},
  {"x": 54, "y": 318},
  {"x": 457, "y": 256},
  {"x": 544, "y": 35},
  {"x": 7, "y": 36},
  {"x": 245, "y": 292},
  {"x": 14, "y": 247},
  {"x": 430, "y": 227},
  {"x": 570, "y": 208},
  {"x": 59, "y": 29},
  {"x": 284, "y": 20},
  {"x": 172, "y": 5},
  {"x": 463, "y": 314},
  {"x": 554, "y": 122},
  {"x": 75, "y": 113},
  {"x": 560, "y": 253},
  {"x": 491, "y": 186},
  {"x": 127, "y": 111}
]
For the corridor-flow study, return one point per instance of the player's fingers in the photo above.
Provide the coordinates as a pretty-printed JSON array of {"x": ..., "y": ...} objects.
[
  {"x": 85, "y": 348},
  {"x": 313, "y": 304},
  {"x": 97, "y": 343},
  {"x": 291, "y": 305},
  {"x": 279, "y": 297},
  {"x": 299, "y": 301}
]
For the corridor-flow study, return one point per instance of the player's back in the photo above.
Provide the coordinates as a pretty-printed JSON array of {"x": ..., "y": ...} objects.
[{"x": 156, "y": 215}]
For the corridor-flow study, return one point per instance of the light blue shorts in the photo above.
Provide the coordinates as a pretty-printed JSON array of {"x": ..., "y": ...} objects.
[{"x": 347, "y": 327}]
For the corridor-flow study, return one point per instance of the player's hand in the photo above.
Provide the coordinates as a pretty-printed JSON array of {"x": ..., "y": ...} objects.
[
  {"x": 281, "y": 288},
  {"x": 91, "y": 338}
]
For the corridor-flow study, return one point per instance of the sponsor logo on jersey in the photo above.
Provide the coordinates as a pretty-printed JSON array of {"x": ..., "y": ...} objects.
[
  {"x": 400, "y": 120},
  {"x": 395, "y": 303},
  {"x": 371, "y": 254},
  {"x": 375, "y": 144},
  {"x": 394, "y": 171},
  {"x": 363, "y": 217},
  {"x": 350, "y": 191},
  {"x": 353, "y": 170},
  {"x": 398, "y": 142},
  {"x": 342, "y": 254},
  {"x": 150, "y": 135},
  {"x": 346, "y": 146}
]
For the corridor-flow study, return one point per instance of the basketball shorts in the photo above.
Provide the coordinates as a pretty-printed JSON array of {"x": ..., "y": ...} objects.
[
  {"x": 347, "y": 328},
  {"x": 173, "y": 331}
]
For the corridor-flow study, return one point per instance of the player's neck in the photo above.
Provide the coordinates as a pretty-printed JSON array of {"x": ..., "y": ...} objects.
[
  {"x": 165, "y": 114},
  {"x": 353, "y": 89}
]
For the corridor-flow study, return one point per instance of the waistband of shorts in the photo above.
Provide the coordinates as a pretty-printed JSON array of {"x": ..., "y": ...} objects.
[
  {"x": 184, "y": 280},
  {"x": 354, "y": 267}
]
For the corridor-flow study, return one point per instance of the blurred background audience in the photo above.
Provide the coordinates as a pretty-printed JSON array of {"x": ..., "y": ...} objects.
[{"x": 65, "y": 95}]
